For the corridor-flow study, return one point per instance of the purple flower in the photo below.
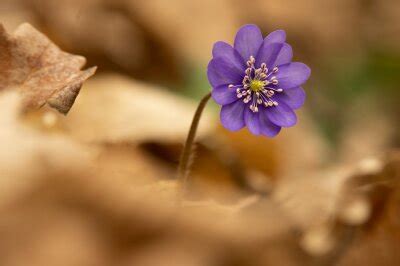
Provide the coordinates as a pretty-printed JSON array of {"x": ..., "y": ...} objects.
[{"x": 256, "y": 83}]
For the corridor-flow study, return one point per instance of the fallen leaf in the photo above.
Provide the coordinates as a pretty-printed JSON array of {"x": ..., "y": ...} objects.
[
  {"x": 188, "y": 32},
  {"x": 377, "y": 242},
  {"x": 42, "y": 73},
  {"x": 116, "y": 109},
  {"x": 26, "y": 154}
]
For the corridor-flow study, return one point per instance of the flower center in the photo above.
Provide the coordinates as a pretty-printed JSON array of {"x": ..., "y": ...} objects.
[{"x": 258, "y": 87}]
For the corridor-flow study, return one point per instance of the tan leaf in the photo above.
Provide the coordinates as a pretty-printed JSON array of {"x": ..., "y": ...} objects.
[
  {"x": 193, "y": 33},
  {"x": 377, "y": 242},
  {"x": 117, "y": 109},
  {"x": 33, "y": 65},
  {"x": 26, "y": 154}
]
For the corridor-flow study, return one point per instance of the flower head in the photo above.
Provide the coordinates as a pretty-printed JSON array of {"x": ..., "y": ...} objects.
[{"x": 256, "y": 83}]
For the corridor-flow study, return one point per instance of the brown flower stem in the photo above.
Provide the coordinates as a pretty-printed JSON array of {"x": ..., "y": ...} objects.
[{"x": 185, "y": 159}]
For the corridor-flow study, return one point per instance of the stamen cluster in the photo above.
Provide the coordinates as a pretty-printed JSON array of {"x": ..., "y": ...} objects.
[{"x": 256, "y": 86}]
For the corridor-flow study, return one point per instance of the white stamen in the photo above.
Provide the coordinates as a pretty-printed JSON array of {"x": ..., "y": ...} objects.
[{"x": 261, "y": 95}]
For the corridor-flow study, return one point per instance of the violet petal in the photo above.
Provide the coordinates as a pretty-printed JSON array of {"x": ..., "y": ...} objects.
[
  {"x": 276, "y": 36},
  {"x": 285, "y": 55},
  {"x": 248, "y": 40},
  {"x": 294, "y": 97},
  {"x": 224, "y": 95},
  {"x": 229, "y": 54},
  {"x": 220, "y": 72},
  {"x": 268, "y": 54},
  {"x": 252, "y": 121},
  {"x": 267, "y": 128},
  {"x": 281, "y": 115},
  {"x": 292, "y": 75},
  {"x": 232, "y": 115}
]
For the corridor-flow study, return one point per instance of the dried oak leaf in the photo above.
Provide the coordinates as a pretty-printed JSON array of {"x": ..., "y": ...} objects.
[
  {"x": 133, "y": 112},
  {"x": 31, "y": 64}
]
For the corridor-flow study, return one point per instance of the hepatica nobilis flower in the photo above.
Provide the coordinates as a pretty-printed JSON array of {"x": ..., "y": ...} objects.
[{"x": 256, "y": 82}]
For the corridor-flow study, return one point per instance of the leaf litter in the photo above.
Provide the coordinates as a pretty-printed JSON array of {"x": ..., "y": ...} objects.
[
  {"x": 78, "y": 190},
  {"x": 35, "y": 67}
]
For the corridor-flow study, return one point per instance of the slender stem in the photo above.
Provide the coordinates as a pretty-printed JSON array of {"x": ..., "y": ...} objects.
[{"x": 185, "y": 159}]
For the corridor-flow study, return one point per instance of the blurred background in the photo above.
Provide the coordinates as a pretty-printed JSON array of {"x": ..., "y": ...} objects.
[{"x": 97, "y": 187}]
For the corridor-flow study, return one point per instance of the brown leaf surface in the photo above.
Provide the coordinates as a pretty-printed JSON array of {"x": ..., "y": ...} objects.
[
  {"x": 187, "y": 31},
  {"x": 56, "y": 192},
  {"x": 26, "y": 154},
  {"x": 117, "y": 109},
  {"x": 67, "y": 202},
  {"x": 33, "y": 65},
  {"x": 98, "y": 188},
  {"x": 377, "y": 242}
]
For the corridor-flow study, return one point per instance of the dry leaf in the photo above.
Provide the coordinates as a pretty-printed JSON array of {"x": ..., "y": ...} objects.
[
  {"x": 377, "y": 242},
  {"x": 187, "y": 31},
  {"x": 26, "y": 154},
  {"x": 52, "y": 190},
  {"x": 39, "y": 70},
  {"x": 114, "y": 108},
  {"x": 75, "y": 22},
  {"x": 52, "y": 185}
]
